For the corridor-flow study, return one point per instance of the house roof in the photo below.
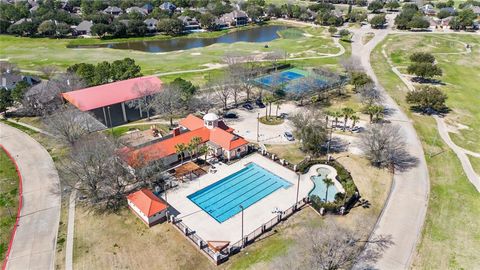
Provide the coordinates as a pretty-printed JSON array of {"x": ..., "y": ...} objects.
[
  {"x": 151, "y": 21},
  {"x": 147, "y": 202},
  {"x": 165, "y": 148},
  {"x": 137, "y": 9},
  {"x": 112, "y": 93},
  {"x": 221, "y": 136},
  {"x": 84, "y": 26},
  {"x": 191, "y": 122}
]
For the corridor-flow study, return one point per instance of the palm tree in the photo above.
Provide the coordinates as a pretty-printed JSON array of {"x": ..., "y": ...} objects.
[
  {"x": 179, "y": 149},
  {"x": 370, "y": 110},
  {"x": 268, "y": 99},
  {"x": 196, "y": 141},
  {"x": 204, "y": 149},
  {"x": 328, "y": 114},
  {"x": 336, "y": 115},
  {"x": 328, "y": 183},
  {"x": 354, "y": 119},
  {"x": 347, "y": 112},
  {"x": 277, "y": 102}
]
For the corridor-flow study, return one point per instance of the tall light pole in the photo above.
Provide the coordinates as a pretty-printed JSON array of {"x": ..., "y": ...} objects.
[
  {"x": 258, "y": 127},
  {"x": 241, "y": 207},
  {"x": 329, "y": 140},
  {"x": 298, "y": 189}
]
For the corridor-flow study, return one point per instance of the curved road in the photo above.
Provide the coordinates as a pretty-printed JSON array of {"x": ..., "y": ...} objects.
[
  {"x": 404, "y": 212},
  {"x": 34, "y": 242}
]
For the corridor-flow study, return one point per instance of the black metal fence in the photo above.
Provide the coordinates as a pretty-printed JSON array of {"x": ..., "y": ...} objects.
[{"x": 222, "y": 256}]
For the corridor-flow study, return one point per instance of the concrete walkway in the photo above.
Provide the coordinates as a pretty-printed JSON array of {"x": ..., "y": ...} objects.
[
  {"x": 70, "y": 230},
  {"x": 404, "y": 212},
  {"x": 35, "y": 240}
]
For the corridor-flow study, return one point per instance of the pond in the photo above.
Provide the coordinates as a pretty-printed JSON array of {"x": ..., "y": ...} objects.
[{"x": 258, "y": 34}]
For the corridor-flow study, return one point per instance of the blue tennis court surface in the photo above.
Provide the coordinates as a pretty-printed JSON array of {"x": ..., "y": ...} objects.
[
  {"x": 222, "y": 200},
  {"x": 280, "y": 78}
]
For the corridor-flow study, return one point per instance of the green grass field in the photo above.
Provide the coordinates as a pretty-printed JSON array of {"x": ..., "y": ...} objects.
[
  {"x": 451, "y": 238},
  {"x": 8, "y": 200},
  {"x": 32, "y": 53}
]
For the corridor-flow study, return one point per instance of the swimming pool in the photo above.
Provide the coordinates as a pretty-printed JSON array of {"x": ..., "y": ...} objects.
[
  {"x": 222, "y": 199},
  {"x": 320, "y": 189}
]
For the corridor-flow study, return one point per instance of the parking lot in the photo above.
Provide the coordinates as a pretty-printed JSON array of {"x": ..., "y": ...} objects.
[{"x": 246, "y": 124}]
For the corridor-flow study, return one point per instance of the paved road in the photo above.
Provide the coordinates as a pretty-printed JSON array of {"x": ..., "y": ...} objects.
[
  {"x": 35, "y": 240},
  {"x": 404, "y": 213}
]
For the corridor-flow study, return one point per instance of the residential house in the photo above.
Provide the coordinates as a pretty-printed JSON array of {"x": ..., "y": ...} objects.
[
  {"x": 189, "y": 23},
  {"x": 112, "y": 10},
  {"x": 83, "y": 28},
  {"x": 148, "y": 207},
  {"x": 235, "y": 18},
  {"x": 9, "y": 80},
  {"x": 220, "y": 23},
  {"x": 220, "y": 139},
  {"x": 450, "y": 10},
  {"x": 428, "y": 10},
  {"x": 22, "y": 21},
  {"x": 151, "y": 24},
  {"x": 168, "y": 7},
  {"x": 148, "y": 7},
  {"x": 137, "y": 9},
  {"x": 476, "y": 10}
]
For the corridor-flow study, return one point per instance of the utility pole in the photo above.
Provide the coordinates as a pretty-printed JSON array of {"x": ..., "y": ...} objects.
[{"x": 110, "y": 119}]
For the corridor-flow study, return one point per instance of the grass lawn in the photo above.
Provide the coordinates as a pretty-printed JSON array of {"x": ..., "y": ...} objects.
[
  {"x": 9, "y": 200},
  {"x": 450, "y": 239},
  {"x": 32, "y": 53},
  {"x": 460, "y": 77},
  {"x": 289, "y": 152},
  {"x": 272, "y": 120},
  {"x": 121, "y": 130},
  {"x": 20, "y": 127},
  {"x": 475, "y": 164},
  {"x": 62, "y": 234}
]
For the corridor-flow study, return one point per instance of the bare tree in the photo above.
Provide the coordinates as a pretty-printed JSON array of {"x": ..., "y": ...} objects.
[
  {"x": 385, "y": 146},
  {"x": 70, "y": 124},
  {"x": 41, "y": 99},
  {"x": 351, "y": 64},
  {"x": 145, "y": 90},
  {"x": 369, "y": 94},
  {"x": 275, "y": 56},
  {"x": 95, "y": 169},
  {"x": 7, "y": 67},
  {"x": 222, "y": 90},
  {"x": 203, "y": 102},
  {"x": 66, "y": 82},
  {"x": 48, "y": 71},
  {"x": 168, "y": 102},
  {"x": 332, "y": 247}
]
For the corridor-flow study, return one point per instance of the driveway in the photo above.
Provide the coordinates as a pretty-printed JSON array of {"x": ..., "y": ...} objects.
[
  {"x": 404, "y": 212},
  {"x": 246, "y": 124},
  {"x": 35, "y": 240}
]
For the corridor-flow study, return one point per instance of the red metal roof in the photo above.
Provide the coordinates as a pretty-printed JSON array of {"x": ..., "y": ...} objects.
[
  {"x": 112, "y": 93},
  {"x": 147, "y": 202},
  {"x": 221, "y": 136}
]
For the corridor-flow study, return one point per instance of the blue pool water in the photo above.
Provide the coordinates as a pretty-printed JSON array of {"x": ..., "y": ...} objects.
[
  {"x": 320, "y": 188},
  {"x": 222, "y": 199}
]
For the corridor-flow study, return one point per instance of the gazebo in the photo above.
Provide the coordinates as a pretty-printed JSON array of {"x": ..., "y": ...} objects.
[{"x": 188, "y": 168}]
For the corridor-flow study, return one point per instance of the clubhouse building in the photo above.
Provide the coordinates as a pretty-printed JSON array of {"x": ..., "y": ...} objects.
[{"x": 222, "y": 142}]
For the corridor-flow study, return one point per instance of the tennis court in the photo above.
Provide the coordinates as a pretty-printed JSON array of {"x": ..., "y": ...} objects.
[
  {"x": 223, "y": 199},
  {"x": 290, "y": 81}
]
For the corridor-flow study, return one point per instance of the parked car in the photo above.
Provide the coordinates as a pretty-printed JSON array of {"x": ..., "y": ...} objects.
[
  {"x": 259, "y": 103},
  {"x": 283, "y": 115},
  {"x": 230, "y": 115},
  {"x": 248, "y": 106},
  {"x": 288, "y": 135},
  {"x": 356, "y": 129}
]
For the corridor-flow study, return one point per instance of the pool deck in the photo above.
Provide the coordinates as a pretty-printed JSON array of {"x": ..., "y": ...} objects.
[{"x": 254, "y": 216}]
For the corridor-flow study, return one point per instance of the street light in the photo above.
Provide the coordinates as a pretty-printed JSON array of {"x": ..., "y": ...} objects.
[
  {"x": 258, "y": 127},
  {"x": 298, "y": 189},
  {"x": 241, "y": 207}
]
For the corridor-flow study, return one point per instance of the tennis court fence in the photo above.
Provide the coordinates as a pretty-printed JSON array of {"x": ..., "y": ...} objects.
[{"x": 232, "y": 249}]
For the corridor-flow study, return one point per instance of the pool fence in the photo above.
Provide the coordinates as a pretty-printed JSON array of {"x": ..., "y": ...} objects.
[{"x": 232, "y": 249}]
